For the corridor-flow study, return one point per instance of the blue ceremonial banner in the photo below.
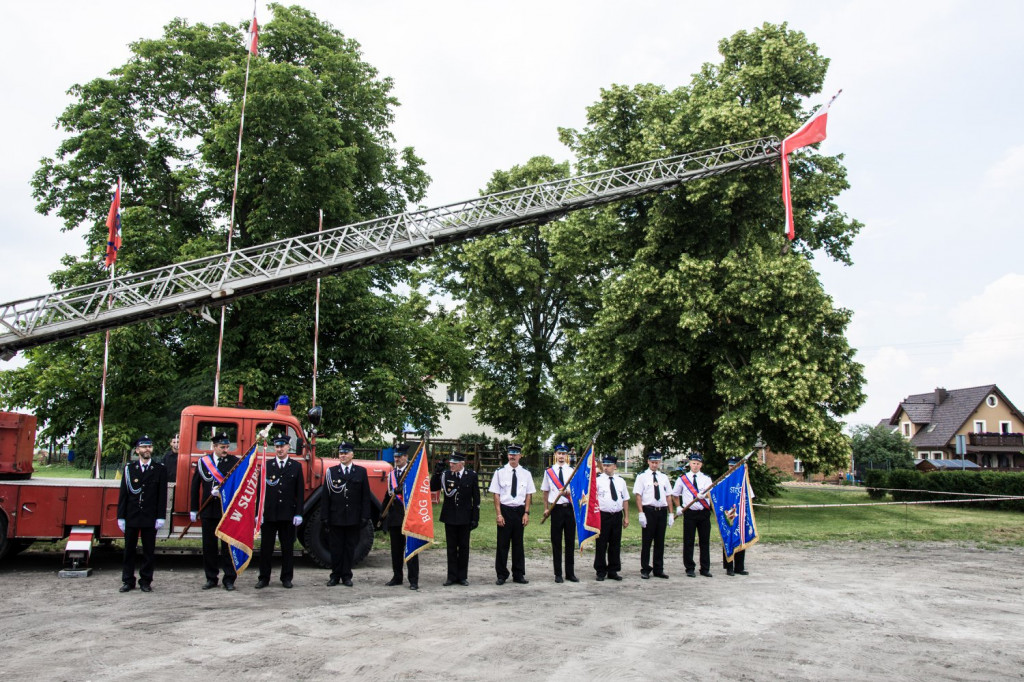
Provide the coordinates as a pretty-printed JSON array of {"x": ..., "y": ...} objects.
[
  {"x": 418, "y": 524},
  {"x": 238, "y": 498},
  {"x": 583, "y": 494},
  {"x": 731, "y": 498}
]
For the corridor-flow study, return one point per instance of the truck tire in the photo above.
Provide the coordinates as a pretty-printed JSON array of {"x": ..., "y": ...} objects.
[
  {"x": 317, "y": 544},
  {"x": 5, "y": 542}
]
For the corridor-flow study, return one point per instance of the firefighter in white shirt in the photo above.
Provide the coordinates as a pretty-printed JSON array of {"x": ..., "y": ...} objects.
[
  {"x": 652, "y": 491},
  {"x": 563, "y": 519},
  {"x": 697, "y": 518},
  {"x": 613, "y": 499},
  {"x": 513, "y": 489}
]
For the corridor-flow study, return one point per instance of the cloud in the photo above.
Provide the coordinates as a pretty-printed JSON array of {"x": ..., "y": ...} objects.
[{"x": 1008, "y": 172}]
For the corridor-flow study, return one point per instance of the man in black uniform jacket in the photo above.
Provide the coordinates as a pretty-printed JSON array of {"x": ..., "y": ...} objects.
[
  {"x": 346, "y": 509},
  {"x": 460, "y": 513},
  {"x": 282, "y": 513},
  {"x": 206, "y": 506},
  {"x": 396, "y": 516},
  {"x": 141, "y": 506}
]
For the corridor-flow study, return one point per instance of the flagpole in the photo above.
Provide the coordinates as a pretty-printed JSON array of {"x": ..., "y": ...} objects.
[
  {"x": 718, "y": 480},
  {"x": 234, "y": 196},
  {"x": 316, "y": 315},
  {"x": 106, "y": 343},
  {"x": 547, "y": 512}
]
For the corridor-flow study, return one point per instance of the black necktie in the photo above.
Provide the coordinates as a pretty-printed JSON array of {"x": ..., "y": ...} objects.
[
  {"x": 515, "y": 488},
  {"x": 611, "y": 485},
  {"x": 695, "y": 483},
  {"x": 657, "y": 488},
  {"x": 560, "y": 479}
]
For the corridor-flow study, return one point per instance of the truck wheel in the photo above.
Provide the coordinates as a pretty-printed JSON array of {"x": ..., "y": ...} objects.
[
  {"x": 5, "y": 542},
  {"x": 315, "y": 540},
  {"x": 365, "y": 543}
]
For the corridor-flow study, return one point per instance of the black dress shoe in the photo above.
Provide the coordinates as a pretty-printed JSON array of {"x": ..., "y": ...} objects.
[
  {"x": 449, "y": 583},
  {"x": 661, "y": 575},
  {"x": 287, "y": 584},
  {"x": 230, "y": 587},
  {"x": 393, "y": 582},
  {"x": 572, "y": 578},
  {"x": 413, "y": 586},
  {"x": 145, "y": 588},
  {"x": 691, "y": 573},
  {"x": 521, "y": 581},
  {"x": 499, "y": 581},
  {"x": 600, "y": 578},
  {"x": 210, "y": 584},
  {"x": 346, "y": 582},
  {"x": 645, "y": 575},
  {"x": 332, "y": 582},
  {"x": 125, "y": 587},
  {"x": 729, "y": 571},
  {"x": 741, "y": 572},
  {"x": 559, "y": 579},
  {"x": 706, "y": 574},
  {"x": 615, "y": 576},
  {"x": 464, "y": 583},
  {"x": 261, "y": 583}
]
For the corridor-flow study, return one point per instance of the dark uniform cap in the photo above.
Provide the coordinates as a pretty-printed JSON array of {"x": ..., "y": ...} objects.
[
  {"x": 222, "y": 438},
  {"x": 655, "y": 455},
  {"x": 733, "y": 460},
  {"x": 561, "y": 447},
  {"x": 282, "y": 439},
  {"x": 515, "y": 449},
  {"x": 143, "y": 440},
  {"x": 609, "y": 459},
  {"x": 457, "y": 457},
  {"x": 696, "y": 457},
  {"x": 345, "y": 447},
  {"x": 402, "y": 449}
]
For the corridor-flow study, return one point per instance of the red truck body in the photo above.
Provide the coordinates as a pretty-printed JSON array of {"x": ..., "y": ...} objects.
[{"x": 50, "y": 508}]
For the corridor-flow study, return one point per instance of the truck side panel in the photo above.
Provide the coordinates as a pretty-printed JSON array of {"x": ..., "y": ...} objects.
[{"x": 39, "y": 511}]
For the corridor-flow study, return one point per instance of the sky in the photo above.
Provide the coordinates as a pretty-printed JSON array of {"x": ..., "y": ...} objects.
[{"x": 929, "y": 125}]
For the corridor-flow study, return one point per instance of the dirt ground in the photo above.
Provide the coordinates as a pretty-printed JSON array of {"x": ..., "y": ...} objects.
[{"x": 841, "y": 611}]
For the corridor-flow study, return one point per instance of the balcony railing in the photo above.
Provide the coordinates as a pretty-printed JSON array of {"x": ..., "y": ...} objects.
[{"x": 996, "y": 440}]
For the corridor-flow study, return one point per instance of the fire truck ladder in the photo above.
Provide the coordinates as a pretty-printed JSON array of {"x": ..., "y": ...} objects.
[{"x": 215, "y": 280}]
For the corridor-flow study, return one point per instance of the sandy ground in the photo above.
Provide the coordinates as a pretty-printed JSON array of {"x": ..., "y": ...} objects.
[{"x": 841, "y": 612}]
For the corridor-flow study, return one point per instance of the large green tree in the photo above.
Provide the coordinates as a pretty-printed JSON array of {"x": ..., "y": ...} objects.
[
  {"x": 316, "y": 137},
  {"x": 879, "y": 447},
  {"x": 710, "y": 330}
]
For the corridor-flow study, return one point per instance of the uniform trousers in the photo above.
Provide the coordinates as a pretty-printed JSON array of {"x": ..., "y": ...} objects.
[
  {"x": 398, "y": 557},
  {"x": 456, "y": 538},
  {"x": 654, "y": 534},
  {"x": 511, "y": 535},
  {"x": 738, "y": 560},
  {"x": 606, "y": 558},
  {"x": 214, "y": 556},
  {"x": 342, "y": 541},
  {"x": 697, "y": 522},
  {"x": 131, "y": 541},
  {"x": 271, "y": 530},
  {"x": 563, "y": 525}
]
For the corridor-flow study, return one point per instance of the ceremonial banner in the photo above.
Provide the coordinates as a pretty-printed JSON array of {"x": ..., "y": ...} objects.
[
  {"x": 731, "y": 498},
  {"x": 238, "y": 498},
  {"x": 812, "y": 131},
  {"x": 418, "y": 525},
  {"x": 583, "y": 494},
  {"x": 113, "y": 228}
]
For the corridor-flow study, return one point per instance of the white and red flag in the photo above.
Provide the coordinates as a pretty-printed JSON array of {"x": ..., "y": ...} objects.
[
  {"x": 812, "y": 131},
  {"x": 254, "y": 35},
  {"x": 113, "y": 228}
]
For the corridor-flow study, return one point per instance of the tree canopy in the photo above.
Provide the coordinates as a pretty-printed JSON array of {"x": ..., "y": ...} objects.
[
  {"x": 316, "y": 137},
  {"x": 879, "y": 447}
]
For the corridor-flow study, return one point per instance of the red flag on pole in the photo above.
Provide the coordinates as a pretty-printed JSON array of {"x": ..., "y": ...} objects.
[
  {"x": 113, "y": 227},
  {"x": 254, "y": 33},
  {"x": 813, "y": 130}
]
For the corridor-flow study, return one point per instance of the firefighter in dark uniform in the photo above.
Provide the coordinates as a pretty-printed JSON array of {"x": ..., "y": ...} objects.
[
  {"x": 141, "y": 506},
  {"x": 206, "y": 507},
  {"x": 396, "y": 516},
  {"x": 346, "y": 509},
  {"x": 460, "y": 513},
  {"x": 282, "y": 512}
]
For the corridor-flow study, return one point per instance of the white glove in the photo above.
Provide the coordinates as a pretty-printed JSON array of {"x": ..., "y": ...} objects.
[
  {"x": 192, "y": 516},
  {"x": 296, "y": 520},
  {"x": 643, "y": 520},
  {"x": 159, "y": 524},
  {"x": 215, "y": 491},
  {"x": 671, "y": 520},
  {"x": 120, "y": 524},
  {"x": 679, "y": 510}
]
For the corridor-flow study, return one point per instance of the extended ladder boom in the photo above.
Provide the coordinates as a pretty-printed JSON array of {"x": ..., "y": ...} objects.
[{"x": 72, "y": 313}]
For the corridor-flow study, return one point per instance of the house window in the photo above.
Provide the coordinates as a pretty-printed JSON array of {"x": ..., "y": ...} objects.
[
  {"x": 936, "y": 455},
  {"x": 979, "y": 426},
  {"x": 456, "y": 395},
  {"x": 798, "y": 466},
  {"x": 992, "y": 401},
  {"x": 906, "y": 429},
  {"x": 1005, "y": 427},
  {"x": 920, "y": 455}
]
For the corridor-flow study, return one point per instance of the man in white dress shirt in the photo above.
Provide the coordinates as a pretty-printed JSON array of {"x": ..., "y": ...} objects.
[
  {"x": 563, "y": 519},
  {"x": 652, "y": 491},
  {"x": 613, "y": 499},
  {"x": 692, "y": 487},
  {"x": 513, "y": 489}
]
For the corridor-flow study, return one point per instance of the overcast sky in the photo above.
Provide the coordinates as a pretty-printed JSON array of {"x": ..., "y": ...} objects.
[{"x": 929, "y": 122}]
